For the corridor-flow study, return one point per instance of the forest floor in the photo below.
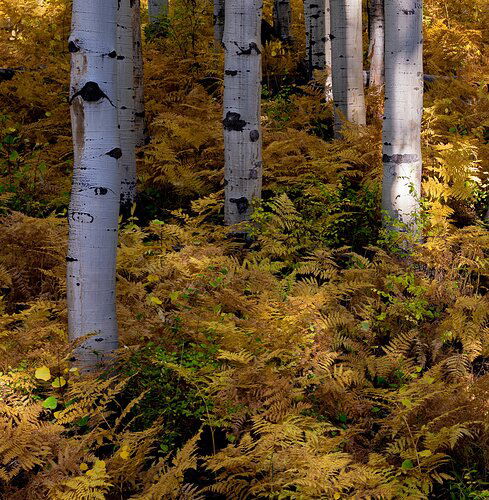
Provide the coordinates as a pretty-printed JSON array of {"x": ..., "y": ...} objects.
[{"x": 313, "y": 360}]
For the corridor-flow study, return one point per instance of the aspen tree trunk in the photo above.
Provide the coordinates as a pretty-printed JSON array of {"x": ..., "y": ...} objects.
[
  {"x": 138, "y": 75},
  {"x": 376, "y": 42},
  {"x": 349, "y": 100},
  {"x": 281, "y": 19},
  {"x": 314, "y": 19},
  {"x": 218, "y": 21},
  {"x": 242, "y": 93},
  {"x": 94, "y": 208},
  {"x": 126, "y": 103},
  {"x": 157, "y": 9},
  {"x": 327, "y": 51},
  {"x": 403, "y": 110}
]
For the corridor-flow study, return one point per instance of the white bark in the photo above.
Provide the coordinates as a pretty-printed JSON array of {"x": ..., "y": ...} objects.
[
  {"x": 94, "y": 208},
  {"x": 218, "y": 21},
  {"x": 327, "y": 51},
  {"x": 349, "y": 100},
  {"x": 138, "y": 75},
  {"x": 376, "y": 42},
  {"x": 281, "y": 19},
  {"x": 242, "y": 89},
  {"x": 126, "y": 102},
  {"x": 314, "y": 19},
  {"x": 403, "y": 110},
  {"x": 157, "y": 10}
]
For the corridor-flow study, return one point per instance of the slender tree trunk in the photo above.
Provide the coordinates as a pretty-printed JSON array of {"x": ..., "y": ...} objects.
[
  {"x": 314, "y": 19},
  {"x": 157, "y": 9},
  {"x": 376, "y": 42},
  {"x": 242, "y": 89},
  {"x": 327, "y": 50},
  {"x": 218, "y": 21},
  {"x": 138, "y": 75},
  {"x": 281, "y": 19},
  {"x": 403, "y": 110},
  {"x": 94, "y": 208},
  {"x": 126, "y": 103},
  {"x": 349, "y": 100}
]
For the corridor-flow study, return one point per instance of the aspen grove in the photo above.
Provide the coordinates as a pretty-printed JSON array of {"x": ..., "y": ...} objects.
[{"x": 244, "y": 249}]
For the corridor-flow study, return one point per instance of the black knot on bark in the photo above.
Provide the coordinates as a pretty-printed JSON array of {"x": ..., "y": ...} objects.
[
  {"x": 233, "y": 122},
  {"x": 400, "y": 158},
  {"x": 73, "y": 47},
  {"x": 242, "y": 204},
  {"x": 100, "y": 191},
  {"x": 254, "y": 135},
  {"x": 252, "y": 46},
  {"x": 115, "y": 153},
  {"x": 91, "y": 92},
  {"x": 112, "y": 54}
]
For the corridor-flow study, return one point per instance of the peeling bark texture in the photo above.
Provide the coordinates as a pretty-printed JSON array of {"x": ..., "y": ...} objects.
[
  {"x": 314, "y": 19},
  {"x": 157, "y": 9},
  {"x": 218, "y": 21},
  {"x": 281, "y": 20},
  {"x": 94, "y": 208},
  {"x": 126, "y": 103},
  {"x": 349, "y": 99},
  {"x": 403, "y": 111},
  {"x": 241, "y": 119},
  {"x": 138, "y": 75},
  {"x": 376, "y": 42},
  {"x": 327, "y": 51}
]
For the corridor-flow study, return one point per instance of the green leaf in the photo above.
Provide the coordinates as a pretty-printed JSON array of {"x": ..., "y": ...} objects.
[
  {"x": 81, "y": 422},
  {"x": 407, "y": 464},
  {"x": 13, "y": 156},
  {"x": 58, "y": 382},
  {"x": 425, "y": 453},
  {"x": 43, "y": 373},
  {"x": 407, "y": 403},
  {"x": 342, "y": 418},
  {"x": 50, "y": 403}
]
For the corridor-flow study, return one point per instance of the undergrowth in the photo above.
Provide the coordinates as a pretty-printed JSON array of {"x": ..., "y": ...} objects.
[{"x": 311, "y": 361}]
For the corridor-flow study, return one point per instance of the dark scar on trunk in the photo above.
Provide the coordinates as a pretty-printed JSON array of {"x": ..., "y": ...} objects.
[
  {"x": 233, "y": 122},
  {"x": 100, "y": 191},
  {"x": 91, "y": 92},
  {"x": 73, "y": 47},
  {"x": 71, "y": 259},
  {"x": 254, "y": 135},
  {"x": 231, "y": 72},
  {"x": 241, "y": 203},
  {"x": 399, "y": 159},
  {"x": 112, "y": 54},
  {"x": 82, "y": 217},
  {"x": 252, "y": 46},
  {"x": 115, "y": 153}
]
